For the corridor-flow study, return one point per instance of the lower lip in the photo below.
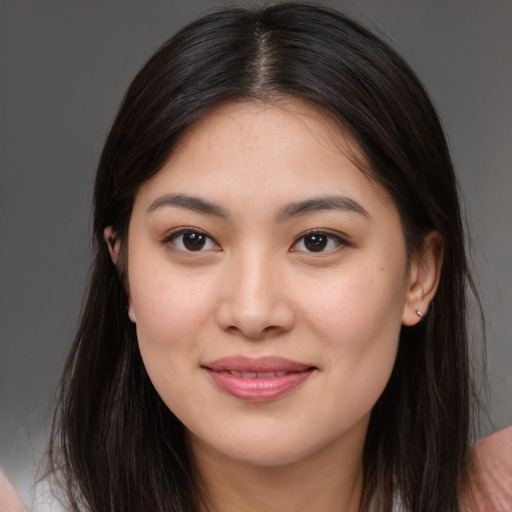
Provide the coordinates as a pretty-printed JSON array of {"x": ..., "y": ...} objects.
[{"x": 258, "y": 389}]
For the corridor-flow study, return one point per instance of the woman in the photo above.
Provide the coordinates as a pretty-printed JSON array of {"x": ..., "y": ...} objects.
[{"x": 276, "y": 314}]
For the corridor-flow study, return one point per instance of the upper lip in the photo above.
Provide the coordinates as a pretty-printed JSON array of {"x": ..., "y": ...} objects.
[{"x": 258, "y": 364}]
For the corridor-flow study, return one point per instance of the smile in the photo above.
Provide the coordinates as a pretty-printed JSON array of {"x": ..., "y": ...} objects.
[{"x": 257, "y": 380}]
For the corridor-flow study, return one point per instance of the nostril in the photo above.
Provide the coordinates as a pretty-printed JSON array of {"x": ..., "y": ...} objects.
[
  {"x": 255, "y": 332},
  {"x": 273, "y": 328},
  {"x": 254, "y": 316}
]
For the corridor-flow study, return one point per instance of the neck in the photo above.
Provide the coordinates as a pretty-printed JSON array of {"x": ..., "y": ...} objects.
[{"x": 329, "y": 480}]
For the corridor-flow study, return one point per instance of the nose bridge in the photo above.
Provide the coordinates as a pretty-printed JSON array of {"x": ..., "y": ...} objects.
[{"x": 254, "y": 299}]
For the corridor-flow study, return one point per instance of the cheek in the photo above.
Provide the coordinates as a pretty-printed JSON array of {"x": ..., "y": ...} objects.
[
  {"x": 356, "y": 308},
  {"x": 166, "y": 300},
  {"x": 358, "y": 317},
  {"x": 169, "y": 331},
  {"x": 171, "y": 312}
]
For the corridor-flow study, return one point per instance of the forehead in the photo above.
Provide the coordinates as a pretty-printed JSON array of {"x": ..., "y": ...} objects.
[
  {"x": 273, "y": 123},
  {"x": 286, "y": 148}
]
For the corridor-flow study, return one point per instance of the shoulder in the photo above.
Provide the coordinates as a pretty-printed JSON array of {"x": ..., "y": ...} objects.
[
  {"x": 9, "y": 500},
  {"x": 490, "y": 484},
  {"x": 47, "y": 496}
]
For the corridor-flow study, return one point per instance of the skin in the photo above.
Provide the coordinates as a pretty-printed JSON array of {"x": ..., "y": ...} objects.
[{"x": 257, "y": 289}]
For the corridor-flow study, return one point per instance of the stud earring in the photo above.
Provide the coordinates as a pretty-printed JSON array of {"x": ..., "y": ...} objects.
[{"x": 419, "y": 313}]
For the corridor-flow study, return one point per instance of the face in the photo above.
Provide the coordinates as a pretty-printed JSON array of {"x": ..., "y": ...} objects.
[{"x": 268, "y": 279}]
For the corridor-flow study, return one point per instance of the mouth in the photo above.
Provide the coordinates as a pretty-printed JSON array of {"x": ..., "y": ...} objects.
[
  {"x": 258, "y": 380},
  {"x": 259, "y": 375}
]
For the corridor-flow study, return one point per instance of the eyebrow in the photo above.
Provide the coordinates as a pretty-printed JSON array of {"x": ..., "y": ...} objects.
[
  {"x": 315, "y": 204},
  {"x": 195, "y": 204}
]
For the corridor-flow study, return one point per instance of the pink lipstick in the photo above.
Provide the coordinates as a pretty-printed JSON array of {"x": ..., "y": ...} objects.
[{"x": 257, "y": 380}]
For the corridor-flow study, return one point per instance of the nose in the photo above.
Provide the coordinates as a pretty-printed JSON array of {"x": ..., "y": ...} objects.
[{"x": 254, "y": 299}]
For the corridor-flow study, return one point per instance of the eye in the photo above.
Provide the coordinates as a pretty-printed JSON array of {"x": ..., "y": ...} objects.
[
  {"x": 191, "y": 240},
  {"x": 318, "y": 241}
]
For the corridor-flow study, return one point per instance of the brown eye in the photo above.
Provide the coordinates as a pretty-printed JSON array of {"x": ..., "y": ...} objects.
[
  {"x": 318, "y": 241},
  {"x": 315, "y": 242},
  {"x": 194, "y": 241},
  {"x": 188, "y": 240}
]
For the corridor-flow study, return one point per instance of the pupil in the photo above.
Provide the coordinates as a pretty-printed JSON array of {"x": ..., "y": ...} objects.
[
  {"x": 194, "y": 241},
  {"x": 316, "y": 242}
]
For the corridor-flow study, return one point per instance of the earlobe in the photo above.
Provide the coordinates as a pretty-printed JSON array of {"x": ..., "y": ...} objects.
[
  {"x": 113, "y": 243},
  {"x": 131, "y": 312},
  {"x": 424, "y": 275}
]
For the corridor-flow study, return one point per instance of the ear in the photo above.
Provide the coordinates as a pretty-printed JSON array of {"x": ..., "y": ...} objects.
[
  {"x": 424, "y": 275},
  {"x": 113, "y": 243},
  {"x": 114, "y": 246},
  {"x": 131, "y": 312}
]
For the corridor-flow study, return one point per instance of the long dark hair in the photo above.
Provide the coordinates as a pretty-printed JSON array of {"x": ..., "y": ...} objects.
[{"x": 115, "y": 445}]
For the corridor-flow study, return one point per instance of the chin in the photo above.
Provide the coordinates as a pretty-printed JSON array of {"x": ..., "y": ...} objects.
[
  {"x": 270, "y": 456},
  {"x": 262, "y": 450}
]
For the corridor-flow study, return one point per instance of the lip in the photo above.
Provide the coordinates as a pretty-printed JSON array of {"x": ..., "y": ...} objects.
[{"x": 257, "y": 379}]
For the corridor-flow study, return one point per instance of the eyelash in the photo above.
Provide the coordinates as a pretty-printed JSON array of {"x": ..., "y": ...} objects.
[
  {"x": 321, "y": 235},
  {"x": 338, "y": 240},
  {"x": 172, "y": 237}
]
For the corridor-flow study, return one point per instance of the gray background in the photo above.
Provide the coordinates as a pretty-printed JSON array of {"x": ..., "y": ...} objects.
[{"x": 64, "y": 66}]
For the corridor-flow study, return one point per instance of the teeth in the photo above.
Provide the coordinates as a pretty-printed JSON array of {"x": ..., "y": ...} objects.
[
  {"x": 266, "y": 375},
  {"x": 260, "y": 375}
]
